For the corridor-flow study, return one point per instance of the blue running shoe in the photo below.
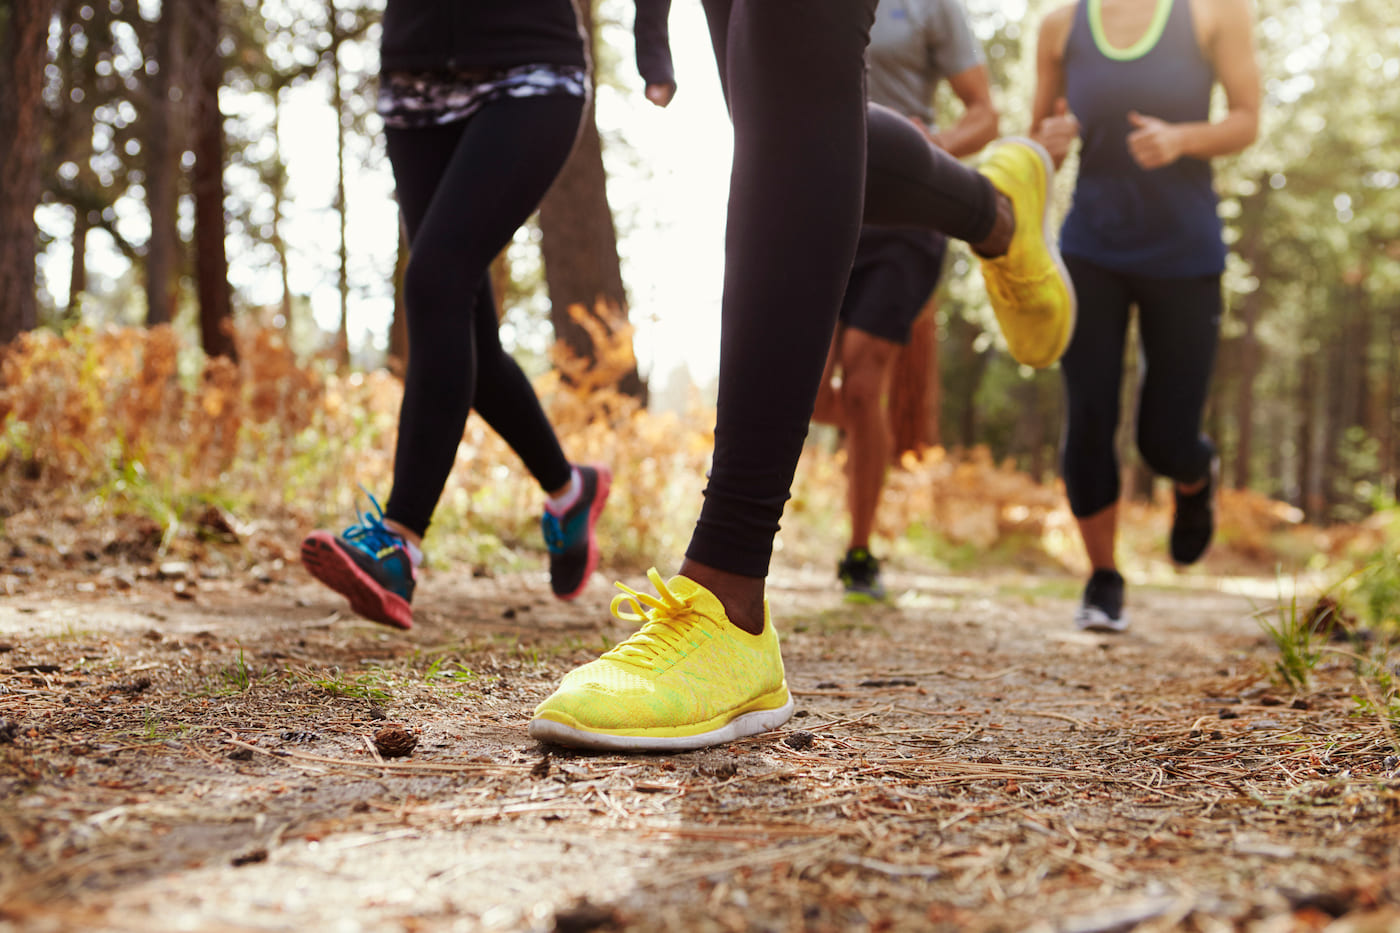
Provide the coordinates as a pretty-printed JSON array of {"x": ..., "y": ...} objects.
[
  {"x": 573, "y": 548},
  {"x": 367, "y": 564}
]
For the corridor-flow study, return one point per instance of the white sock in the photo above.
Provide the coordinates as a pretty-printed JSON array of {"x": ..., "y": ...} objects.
[
  {"x": 415, "y": 553},
  {"x": 558, "y": 505}
]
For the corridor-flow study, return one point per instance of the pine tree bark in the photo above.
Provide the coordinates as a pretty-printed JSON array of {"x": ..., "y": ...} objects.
[
  {"x": 579, "y": 245},
  {"x": 77, "y": 272},
  {"x": 23, "y": 52},
  {"x": 342, "y": 342},
  {"x": 162, "y": 171},
  {"x": 211, "y": 257},
  {"x": 1244, "y": 390},
  {"x": 1309, "y": 497},
  {"x": 397, "y": 354}
]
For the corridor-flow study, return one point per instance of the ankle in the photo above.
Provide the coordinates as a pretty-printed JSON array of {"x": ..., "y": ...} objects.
[
  {"x": 410, "y": 538},
  {"x": 998, "y": 241},
  {"x": 741, "y": 596},
  {"x": 560, "y": 500}
]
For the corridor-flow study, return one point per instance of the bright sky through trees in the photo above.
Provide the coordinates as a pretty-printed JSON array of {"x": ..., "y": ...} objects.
[{"x": 668, "y": 182}]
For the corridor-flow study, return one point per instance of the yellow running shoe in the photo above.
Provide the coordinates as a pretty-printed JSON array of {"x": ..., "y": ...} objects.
[
  {"x": 1028, "y": 286},
  {"x": 688, "y": 679}
]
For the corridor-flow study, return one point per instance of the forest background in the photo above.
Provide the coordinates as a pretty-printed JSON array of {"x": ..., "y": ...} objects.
[{"x": 150, "y": 141}]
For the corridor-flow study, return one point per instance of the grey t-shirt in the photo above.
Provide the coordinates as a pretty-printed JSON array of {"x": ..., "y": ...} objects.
[{"x": 914, "y": 44}]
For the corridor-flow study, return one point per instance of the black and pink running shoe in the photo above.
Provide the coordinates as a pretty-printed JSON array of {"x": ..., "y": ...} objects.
[{"x": 573, "y": 548}]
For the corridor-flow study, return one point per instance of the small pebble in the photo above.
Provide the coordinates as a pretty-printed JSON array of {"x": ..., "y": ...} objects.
[{"x": 800, "y": 740}]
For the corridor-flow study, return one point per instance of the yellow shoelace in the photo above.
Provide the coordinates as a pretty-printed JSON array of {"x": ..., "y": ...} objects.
[{"x": 665, "y": 623}]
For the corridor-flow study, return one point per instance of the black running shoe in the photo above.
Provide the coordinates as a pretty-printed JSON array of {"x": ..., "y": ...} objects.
[
  {"x": 1102, "y": 608},
  {"x": 1194, "y": 522},
  {"x": 859, "y": 572},
  {"x": 573, "y": 548}
]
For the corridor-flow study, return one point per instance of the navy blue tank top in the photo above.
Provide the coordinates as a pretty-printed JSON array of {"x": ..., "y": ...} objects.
[{"x": 1161, "y": 223}]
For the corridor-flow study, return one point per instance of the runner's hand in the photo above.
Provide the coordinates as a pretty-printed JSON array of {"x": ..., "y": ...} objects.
[
  {"x": 1153, "y": 143},
  {"x": 1058, "y": 132},
  {"x": 660, "y": 94}
]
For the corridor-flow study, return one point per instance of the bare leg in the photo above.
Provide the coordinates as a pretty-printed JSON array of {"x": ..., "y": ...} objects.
[
  {"x": 866, "y": 364},
  {"x": 827, "y": 409},
  {"x": 1100, "y": 532}
]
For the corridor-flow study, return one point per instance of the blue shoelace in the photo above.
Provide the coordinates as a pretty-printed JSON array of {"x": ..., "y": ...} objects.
[{"x": 370, "y": 534}]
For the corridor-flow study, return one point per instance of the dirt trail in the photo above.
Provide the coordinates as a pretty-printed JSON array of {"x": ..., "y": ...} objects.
[{"x": 193, "y": 753}]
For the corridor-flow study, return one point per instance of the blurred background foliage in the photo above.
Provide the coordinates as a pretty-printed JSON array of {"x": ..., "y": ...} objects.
[{"x": 1307, "y": 398}]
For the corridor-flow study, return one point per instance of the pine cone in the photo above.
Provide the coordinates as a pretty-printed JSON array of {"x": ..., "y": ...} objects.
[{"x": 394, "y": 741}]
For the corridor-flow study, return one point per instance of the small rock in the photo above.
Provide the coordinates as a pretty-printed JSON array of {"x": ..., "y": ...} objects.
[
  {"x": 9, "y": 731},
  {"x": 1300, "y": 703},
  {"x": 1270, "y": 700},
  {"x": 800, "y": 740},
  {"x": 583, "y": 917},
  {"x": 241, "y": 754},
  {"x": 394, "y": 741},
  {"x": 1229, "y": 714},
  {"x": 174, "y": 570},
  {"x": 249, "y": 858}
]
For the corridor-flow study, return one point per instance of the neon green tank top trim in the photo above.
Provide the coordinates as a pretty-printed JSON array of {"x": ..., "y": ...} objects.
[{"x": 1139, "y": 48}]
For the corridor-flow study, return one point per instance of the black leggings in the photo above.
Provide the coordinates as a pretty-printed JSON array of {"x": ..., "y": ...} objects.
[
  {"x": 1179, "y": 324},
  {"x": 794, "y": 78},
  {"x": 464, "y": 189}
]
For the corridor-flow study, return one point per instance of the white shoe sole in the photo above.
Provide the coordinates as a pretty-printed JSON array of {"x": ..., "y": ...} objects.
[
  {"x": 546, "y": 730},
  {"x": 1093, "y": 619}
]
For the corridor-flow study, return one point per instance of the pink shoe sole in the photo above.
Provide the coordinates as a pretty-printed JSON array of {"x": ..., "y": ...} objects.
[{"x": 325, "y": 560}]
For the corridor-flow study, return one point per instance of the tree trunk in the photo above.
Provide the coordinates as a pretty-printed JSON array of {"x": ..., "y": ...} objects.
[
  {"x": 398, "y": 324},
  {"x": 23, "y": 52},
  {"x": 77, "y": 272},
  {"x": 1029, "y": 436},
  {"x": 1245, "y": 375},
  {"x": 338, "y": 106},
  {"x": 211, "y": 258},
  {"x": 1390, "y": 402},
  {"x": 579, "y": 246},
  {"x": 961, "y": 369},
  {"x": 1309, "y": 499},
  {"x": 914, "y": 388},
  {"x": 162, "y": 172}
]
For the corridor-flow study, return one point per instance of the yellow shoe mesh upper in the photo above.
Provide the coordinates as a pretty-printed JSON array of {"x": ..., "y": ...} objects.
[
  {"x": 686, "y": 671},
  {"x": 1028, "y": 287}
]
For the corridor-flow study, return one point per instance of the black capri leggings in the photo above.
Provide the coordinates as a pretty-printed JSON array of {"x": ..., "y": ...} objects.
[
  {"x": 464, "y": 189},
  {"x": 794, "y": 79},
  {"x": 1179, "y": 324}
]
